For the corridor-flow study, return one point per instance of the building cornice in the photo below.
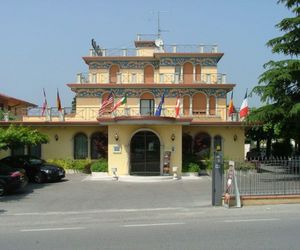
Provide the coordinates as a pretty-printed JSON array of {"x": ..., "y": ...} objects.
[{"x": 135, "y": 90}]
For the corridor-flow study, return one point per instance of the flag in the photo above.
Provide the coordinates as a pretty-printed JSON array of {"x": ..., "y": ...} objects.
[
  {"x": 158, "y": 110},
  {"x": 45, "y": 103},
  {"x": 244, "y": 108},
  {"x": 58, "y": 102},
  {"x": 109, "y": 100},
  {"x": 231, "y": 106},
  {"x": 177, "y": 107},
  {"x": 122, "y": 101}
]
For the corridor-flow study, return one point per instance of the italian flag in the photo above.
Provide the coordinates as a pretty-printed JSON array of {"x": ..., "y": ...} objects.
[
  {"x": 122, "y": 101},
  {"x": 177, "y": 107},
  {"x": 244, "y": 110}
]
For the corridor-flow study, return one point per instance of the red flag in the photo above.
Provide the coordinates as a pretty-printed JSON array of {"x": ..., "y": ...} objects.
[
  {"x": 109, "y": 100},
  {"x": 45, "y": 103},
  {"x": 177, "y": 107},
  {"x": 231, "y": 106},
  {"x": 58, "y": 102},
  {"x": 244, "y": 110}
]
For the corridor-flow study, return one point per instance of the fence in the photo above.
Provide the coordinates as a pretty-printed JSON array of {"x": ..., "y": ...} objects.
[{"x": 279, "y": 176}]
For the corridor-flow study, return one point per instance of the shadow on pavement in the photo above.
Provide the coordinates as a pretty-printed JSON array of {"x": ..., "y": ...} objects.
[{"x": 29, "y": 189}]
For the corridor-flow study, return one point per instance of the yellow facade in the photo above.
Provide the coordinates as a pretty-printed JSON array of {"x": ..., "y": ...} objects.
[{"x": 136, "y": 139}]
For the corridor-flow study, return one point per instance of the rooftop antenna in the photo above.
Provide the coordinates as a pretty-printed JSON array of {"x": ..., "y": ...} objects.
[{"x": 159, "y": 30}]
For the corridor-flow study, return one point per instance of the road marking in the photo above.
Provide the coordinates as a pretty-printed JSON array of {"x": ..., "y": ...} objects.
[
  {"x": 51, "y": 229},
  {"x": 125, "y": 210},
  {"x": 154, "y": 224},
  {"x": 252, "y": 220}
]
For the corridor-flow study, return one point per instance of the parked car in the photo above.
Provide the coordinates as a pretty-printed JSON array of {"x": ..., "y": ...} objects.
[
  {"x": 37, "y": 169},
  {"x": 11, "y": 179}
]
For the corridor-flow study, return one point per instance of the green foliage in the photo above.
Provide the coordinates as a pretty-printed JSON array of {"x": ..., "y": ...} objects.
[
  {"x": 192, "y": 164},
  {"x": 100, "y": 166},
  {"x": 245, "y": 166},
  {"x": 19, "y": 135},
  {"x": 191, "y": 167},
  {"x": 279, "y": 85},
  {"x": 77, "y": 165},
  {"x": 283, "y": 148}
]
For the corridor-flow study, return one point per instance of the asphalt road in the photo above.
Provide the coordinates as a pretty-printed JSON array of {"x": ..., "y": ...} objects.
[{"x": 81, "y": 214}]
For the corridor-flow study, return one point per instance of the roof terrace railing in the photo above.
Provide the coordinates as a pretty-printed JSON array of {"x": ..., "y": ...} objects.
[{"x": 169, "y": 48}]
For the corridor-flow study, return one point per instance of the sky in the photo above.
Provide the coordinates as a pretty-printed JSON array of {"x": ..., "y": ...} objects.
[{"x": 42, "y": 42}]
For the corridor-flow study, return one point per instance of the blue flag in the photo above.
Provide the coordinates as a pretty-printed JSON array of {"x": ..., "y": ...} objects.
[{"x": 158, "y": 110}]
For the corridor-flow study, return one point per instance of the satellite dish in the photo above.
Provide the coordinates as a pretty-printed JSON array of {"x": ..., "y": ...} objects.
[{"x": 159, "y": 43}]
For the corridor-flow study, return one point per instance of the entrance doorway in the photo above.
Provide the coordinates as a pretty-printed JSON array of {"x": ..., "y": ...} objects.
[{"x": 145, "y": 154}]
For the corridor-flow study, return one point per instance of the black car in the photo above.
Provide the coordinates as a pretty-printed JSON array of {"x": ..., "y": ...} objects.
[
  {"x": 37, "y": 169},
  {"x": 11, "y": 179}
]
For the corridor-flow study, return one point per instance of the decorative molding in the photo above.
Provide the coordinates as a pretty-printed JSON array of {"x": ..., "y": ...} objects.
[
  {"x": 175, "y": 61},
  {"x": 127, "y": 64},
  {"x": 157, "y": 92}
]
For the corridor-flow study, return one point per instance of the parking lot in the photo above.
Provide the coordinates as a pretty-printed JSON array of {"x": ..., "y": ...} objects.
[{"x": 77, "y": 193}]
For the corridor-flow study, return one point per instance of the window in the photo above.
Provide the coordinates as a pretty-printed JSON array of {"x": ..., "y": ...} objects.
[
  {"x": 99, "y": 146},
  {"x": 17, "y": 150},
  {"x": 147, "y": 104},
  {"x": 80, "y": 146},
  {"x": 199, "y": 104},
  {"x": 35, "y": 150},
  {"x": 147, "y": 107},
  {"x": 202, "y": 144}
]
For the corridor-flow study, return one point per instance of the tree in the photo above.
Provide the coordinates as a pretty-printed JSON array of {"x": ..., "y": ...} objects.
[
  {"x": 279, "y": 85},
  {"x": 19, "y": 135}
]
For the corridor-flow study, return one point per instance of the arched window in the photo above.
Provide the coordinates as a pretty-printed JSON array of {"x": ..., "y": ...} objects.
[
  {"x": 202, "y": 144},
  {"x": 188, "y": 73},
  {"x": 186, "y": 105},
  {"x": 218, "y": 143},
  {"x": 35, "y": 150},
  {"x": 198, "y": 73},
  {"x": 212, "y": 105},
  {"x": 147, "y": 104},
  {"x": 113, "y": 71},
  {"x": 99, "y": 145},
  {"x": 149, "y": 74},
  {"x": 199, "y": 104},
  {"x": 80, "y": 146}
]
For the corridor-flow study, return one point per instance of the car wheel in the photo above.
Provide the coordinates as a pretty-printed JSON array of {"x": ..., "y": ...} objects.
[
  {"x": 2, "y": 188},
  {"x": 39, "y": 178}
]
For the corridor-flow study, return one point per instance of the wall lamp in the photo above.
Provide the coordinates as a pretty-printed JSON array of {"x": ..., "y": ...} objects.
[
  {"x": 235, "y": 137},
  {"x": 56, "y": 137},
  {"x": 116, "y": 136},
  {"x": 172, "y": 136}
]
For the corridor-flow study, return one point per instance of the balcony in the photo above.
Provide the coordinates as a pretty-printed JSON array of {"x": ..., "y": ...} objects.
[
  {"x": 84, "y": 114},
  {"x": 167, "y": 78}
]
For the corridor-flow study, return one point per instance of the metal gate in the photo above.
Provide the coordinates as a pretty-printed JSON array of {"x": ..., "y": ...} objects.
[{"x": 145, "y": 154}]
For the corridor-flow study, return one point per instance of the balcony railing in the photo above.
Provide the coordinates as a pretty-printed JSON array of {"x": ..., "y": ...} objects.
[
  {"x": 169, "y": 48},
  {"x": 91, "y": 114},
  {"x": 168, "y": 78}
]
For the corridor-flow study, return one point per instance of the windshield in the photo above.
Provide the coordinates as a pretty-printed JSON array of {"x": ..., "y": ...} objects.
[{"x": 34, "y": 161}]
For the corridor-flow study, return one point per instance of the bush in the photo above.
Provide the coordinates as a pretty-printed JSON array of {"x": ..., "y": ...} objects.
[
  {"x": 79, "y": 165},
  {"x": 100, "y": 166}
]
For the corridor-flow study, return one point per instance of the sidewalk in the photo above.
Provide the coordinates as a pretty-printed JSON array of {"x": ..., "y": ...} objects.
[{"x": 131, "y": 178}]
